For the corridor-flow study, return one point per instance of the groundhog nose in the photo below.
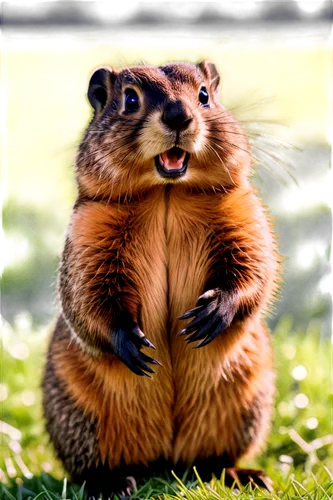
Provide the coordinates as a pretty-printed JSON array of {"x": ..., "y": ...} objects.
[{"x": 175, "y": 116}]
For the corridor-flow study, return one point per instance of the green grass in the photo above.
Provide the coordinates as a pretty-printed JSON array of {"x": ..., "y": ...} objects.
[{"x": 298, "y": 456}]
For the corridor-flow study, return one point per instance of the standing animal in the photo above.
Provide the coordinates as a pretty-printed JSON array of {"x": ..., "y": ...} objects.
[{"x": 169, "y": 253}]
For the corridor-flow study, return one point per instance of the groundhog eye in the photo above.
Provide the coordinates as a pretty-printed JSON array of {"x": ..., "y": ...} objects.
[
  {"x": 203, "y": 96},
  {"x": 131, "y": 101}
]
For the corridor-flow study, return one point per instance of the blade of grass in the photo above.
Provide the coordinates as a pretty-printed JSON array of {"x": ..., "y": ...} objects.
[
  {"x": 64, "y": 489},
  {"x": 81, "y": 491},
  {"x": 320, "y": 487},
  {"x": 39, "y": 495},
  {"x": 48, "y": 494},
  {"x": 329, "y": 473}
]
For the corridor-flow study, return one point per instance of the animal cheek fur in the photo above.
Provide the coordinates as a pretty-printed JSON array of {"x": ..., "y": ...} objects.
[{"x": 154, "y": 138}]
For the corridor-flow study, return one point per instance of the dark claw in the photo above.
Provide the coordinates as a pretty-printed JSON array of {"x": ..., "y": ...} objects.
[
  {"x": 196, "y": 324},
  {"x": 190, "y": 313},
  {"x": 127, "y": 341},
  {"x": 139, "y": 359},
  {"x": 207, "y": 326},
  {"x": 148, "y": 359},
  {"x": 134, "y": 364},
  {"x": 144, "y": 366},
  {"x": 202, "y": 329},
  {"x": 133, "y": 367},
  {"x": 194, "y": 337},
  {"x": 182, "y": 332},
  {"x": 211, "y": 336},
  {"x": 138, "y": 332},
  {"x": 141, "y": 336},
  {"x": 201, "y": 316},
  {"x": 147, "y": 343},
  {"x": 204, "y": 342},
  {"x": 214, "y": 312}
]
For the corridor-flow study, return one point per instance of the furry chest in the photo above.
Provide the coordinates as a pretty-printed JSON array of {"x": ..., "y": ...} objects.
[{"x": 172, "y": 260}]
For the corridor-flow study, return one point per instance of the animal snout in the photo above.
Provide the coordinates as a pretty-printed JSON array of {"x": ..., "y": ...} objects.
[{"x": 175, "y": 116}]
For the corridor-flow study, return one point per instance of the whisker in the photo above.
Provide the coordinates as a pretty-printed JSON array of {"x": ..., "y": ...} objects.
[
  {"x": 243, "y": 98},
  {"x": 263, "y": 101},
  {"x": 251, "y": 107},
  {"x": 272, "y": 140},
  {"x": 224, "y": 165},
  {"x": 232, "y": 144},
  {"x": 273, "y": 156},
  {"x": 247, "y": 121},
  {"x": 69, "y": 147},
  {"x": 266, "y": 118},
  {"x": 265, "y": 165},
  {"x": 267, "y": 124},
  {"x": 282, "y": 142},
  {"x": 123, "y": 61},
  {"x": 253, "y": 90},
  {"x": 241, "y": 108},
  {"x": 255, "y": 172}
]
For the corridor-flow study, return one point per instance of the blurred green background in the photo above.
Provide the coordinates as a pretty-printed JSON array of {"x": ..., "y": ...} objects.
[
  {"x": 47, "y": 113},
  {"x": 280, "y": 88}
]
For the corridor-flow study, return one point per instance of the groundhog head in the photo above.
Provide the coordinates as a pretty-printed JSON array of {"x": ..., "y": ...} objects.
[{"x": 154, "y": 126}]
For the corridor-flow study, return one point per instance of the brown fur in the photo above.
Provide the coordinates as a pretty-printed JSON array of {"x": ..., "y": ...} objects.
[{"x": 149, "y": 247}]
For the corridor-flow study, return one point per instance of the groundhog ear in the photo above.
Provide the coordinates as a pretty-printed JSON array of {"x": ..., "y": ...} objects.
[
  {"x": 211, "y": 74},
  {"x": 99, "y": 89}
]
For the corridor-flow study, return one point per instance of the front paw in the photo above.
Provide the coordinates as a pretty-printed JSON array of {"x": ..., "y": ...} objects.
[
  {"x": 127, "y": 341},
  {"x": 213, "y": 313}
]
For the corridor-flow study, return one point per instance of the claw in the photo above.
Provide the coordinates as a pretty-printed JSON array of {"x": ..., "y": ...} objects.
[
  {"x": 135, "y": 369},
  {"x": 144, "y": 366},
  {"x": 207, "y": 327},
  {"x": 244, "y": 476},
  {"x": 190, "y": 313},
  {"x": 189, "y": 329},
  {"x": 203, "y": 343},
  {"x": 202, "y": 315},
  {"x": 139, "y": 333},
  {"x": 182, "y": 332},
  {"x": 156, "y": 362},
  {"x": 131, "y": 482},
  {"x": 194, "y": 337},
  {"x": 127, "y": 342},
  {"x": 150, "y": 360},
  {"x": 147, "y": 343},
  {"x": 211, "y": 336}
]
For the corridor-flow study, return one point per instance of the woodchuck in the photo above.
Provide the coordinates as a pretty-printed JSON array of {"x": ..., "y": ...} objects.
[{"x": 169, "y": 250}]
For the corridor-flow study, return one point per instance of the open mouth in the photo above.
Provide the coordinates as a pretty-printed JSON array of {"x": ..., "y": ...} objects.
[{"x": 172, "y": 163}]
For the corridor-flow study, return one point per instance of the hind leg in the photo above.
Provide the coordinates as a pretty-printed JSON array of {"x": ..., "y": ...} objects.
[
  {"x": 250, "y": 433},
  {"x": 223, "y": 406},
  {"x": 74, "y": 437},
  {"x": 251, "y": 430},
  {"x": 105, "y": 422}
]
